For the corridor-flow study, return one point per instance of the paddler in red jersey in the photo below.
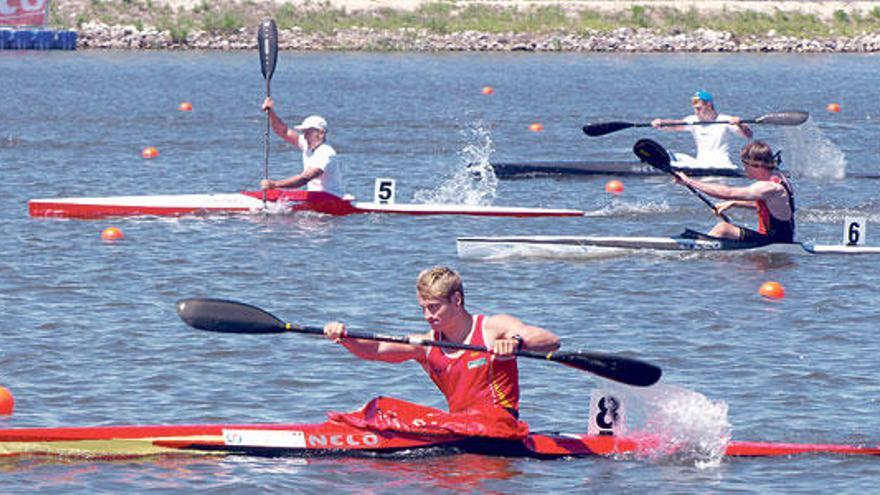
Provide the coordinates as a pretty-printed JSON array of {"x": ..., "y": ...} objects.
[
  {"x": 770, "y": 194},
  {"x": 476, "y": 384}
]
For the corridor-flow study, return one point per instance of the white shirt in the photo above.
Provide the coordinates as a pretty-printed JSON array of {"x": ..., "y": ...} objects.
[
  {"x": 713, "y": 142},
  {"x": 322, "y": 157}
]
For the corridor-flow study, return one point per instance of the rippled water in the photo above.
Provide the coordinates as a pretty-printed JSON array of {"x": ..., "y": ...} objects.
[{"x": 91, "y": 336}]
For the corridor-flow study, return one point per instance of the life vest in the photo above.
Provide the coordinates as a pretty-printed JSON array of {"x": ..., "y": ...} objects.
[
  {"x": 474, "y": 379},
  {"x": 778, "y": 230}
]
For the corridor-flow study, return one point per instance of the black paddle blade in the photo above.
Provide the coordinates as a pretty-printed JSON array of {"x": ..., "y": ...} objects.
[
  {"x": 219, "y": 315},
  {"x": 653, "y": 154},
  {"x": 792, "y": 117},
  {"x": 267, "y": 42},
  {"x": 603, "y": 128},
  {"x": 617, "y": 368}
]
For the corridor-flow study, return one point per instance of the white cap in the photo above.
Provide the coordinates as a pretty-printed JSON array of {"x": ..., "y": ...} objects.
[{"x": 312, "y": 122}]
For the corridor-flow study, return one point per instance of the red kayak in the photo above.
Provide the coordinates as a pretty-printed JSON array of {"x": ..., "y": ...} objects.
[
  {"x": 408, "y": 430},
  {"x": 332, "y": 438},
  {"x": 252, "y": 202}
]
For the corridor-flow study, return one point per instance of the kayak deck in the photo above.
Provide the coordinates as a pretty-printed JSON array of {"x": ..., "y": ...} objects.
[
  {"x": 337, "y": 439},
  {"x": 252, "y": 202},
  {"x": 580, "y": 247}
]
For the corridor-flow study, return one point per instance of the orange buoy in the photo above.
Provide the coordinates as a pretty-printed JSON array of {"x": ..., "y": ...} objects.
[
  {"x": 185, "y": 107},
  {"x": 112, "y": 234},
  {"x": 150, "y": 152},
  {"x": 833, "y": 107},
  {"x": 614, "y": 186},
  {"x": 772, "y": 290},
  {"x": 7, "y": 401},
  {"x": 536, "y": 127},
  {"x": 487, "y": 90}
]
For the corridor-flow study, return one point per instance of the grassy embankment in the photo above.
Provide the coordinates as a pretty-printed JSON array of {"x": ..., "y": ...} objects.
[{"x": 445, "y": 17}]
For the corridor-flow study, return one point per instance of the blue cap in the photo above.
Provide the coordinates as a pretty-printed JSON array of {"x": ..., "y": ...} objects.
[{"x": 703, "y": 95}]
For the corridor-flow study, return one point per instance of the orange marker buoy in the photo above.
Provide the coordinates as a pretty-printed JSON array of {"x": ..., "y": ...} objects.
[
  {"x": 833, "y": 107},
  {"x": 7, "y": 401},
  {"x": 185, "y": 107},
  {"x": 112, "y": 234},
  {"x": 772, "y": 290},
  {"x": 487, "y": 90},
  {"x": 614, "y": 186},
  {"x": 536, "y": 127},
  {"x": 150, "y": 152}
]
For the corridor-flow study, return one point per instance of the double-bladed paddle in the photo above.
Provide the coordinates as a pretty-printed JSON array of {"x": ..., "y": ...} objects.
[
  {"x": 655, "y": 155},
  {"x": 219, "y": 315},
  {"x": 790, "y": 118},
  {"x": 267, "y": 42}
]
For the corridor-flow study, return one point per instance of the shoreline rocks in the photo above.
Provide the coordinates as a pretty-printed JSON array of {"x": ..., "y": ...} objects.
[{"x": 96, "y": 35}]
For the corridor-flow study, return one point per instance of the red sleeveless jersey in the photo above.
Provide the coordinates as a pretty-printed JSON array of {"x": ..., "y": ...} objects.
[
  {"x": 474, "y": 379},
  {"x": 780, "y": 230}
]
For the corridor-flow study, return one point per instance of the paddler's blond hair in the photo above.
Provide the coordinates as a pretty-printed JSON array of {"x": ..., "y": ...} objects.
[{"x": 439, "y": 282}]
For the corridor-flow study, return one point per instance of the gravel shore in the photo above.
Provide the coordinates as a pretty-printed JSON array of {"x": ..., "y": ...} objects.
[{"x": 143, "y": 36}]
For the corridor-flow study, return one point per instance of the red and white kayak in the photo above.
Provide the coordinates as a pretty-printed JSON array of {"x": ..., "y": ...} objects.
[
  {"x": 340, "y": 439},
  {"x": 252, "y": 202}
]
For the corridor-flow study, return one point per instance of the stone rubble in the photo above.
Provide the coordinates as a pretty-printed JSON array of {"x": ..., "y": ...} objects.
[{"x": 96, "y": 35}]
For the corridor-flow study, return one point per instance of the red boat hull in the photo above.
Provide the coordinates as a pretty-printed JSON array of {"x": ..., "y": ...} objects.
[
  {"x": 252, "y": 202},
  {"x": 333, "y": 438}
]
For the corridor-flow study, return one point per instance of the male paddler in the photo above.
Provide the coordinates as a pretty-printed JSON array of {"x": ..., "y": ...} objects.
[
  {"x": 713, "y": 141},
  {"x": 770, "y": 194},
  {"x": 321, "y": 172},
  {"x": 470, "y": 381}
]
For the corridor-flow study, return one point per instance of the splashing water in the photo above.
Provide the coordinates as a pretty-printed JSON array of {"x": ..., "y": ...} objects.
[
  {"x": 687, "y": 426},
  {"x": 870, "y": 210},
  {"x": 619, "y": 208},
  {"x": 808, "y": 153},
  {"x": 473, "y": 181}
]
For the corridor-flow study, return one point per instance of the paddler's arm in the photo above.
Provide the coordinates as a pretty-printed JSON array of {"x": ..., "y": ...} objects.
[
  {"x": 278, "y": 125},
  {"x": 370, "y": 349},
  {"x": 758, "y": 190},
  {"x": 669, "y": 124},
  {"x": 510, "y": 334},
  {"x": 742, "y": 130},
  {"x": 292, "y": 182},
  {"x": 726, "y": 205}
]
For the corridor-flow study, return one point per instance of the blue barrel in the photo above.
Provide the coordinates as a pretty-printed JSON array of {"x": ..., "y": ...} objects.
[
  {"x": 23, "y": 40},
  {"x": 5, "y": 39},
  {"x": 65, "y": 40},
  {"x": 43, "y": 39}
]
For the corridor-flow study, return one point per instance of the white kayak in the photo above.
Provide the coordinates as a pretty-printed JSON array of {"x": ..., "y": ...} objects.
[{"x": 580, "y": 247}]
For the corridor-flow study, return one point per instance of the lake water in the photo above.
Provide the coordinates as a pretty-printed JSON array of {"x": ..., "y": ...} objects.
[{"x": 90, "y": 331}]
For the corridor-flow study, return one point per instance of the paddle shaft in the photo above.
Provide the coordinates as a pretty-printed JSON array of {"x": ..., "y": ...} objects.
[
  {"x": 655, "y": 155},
  {"x": 266, "y": 144},
  {"x": 218, "y": 315},
  {"x": 787, "y": 118},
  {"x": 617, "y": 368},
  {"x": 404, "y": 339},
  {"x": 267, "y": 41},
  {"x": 706, "y": 200}
]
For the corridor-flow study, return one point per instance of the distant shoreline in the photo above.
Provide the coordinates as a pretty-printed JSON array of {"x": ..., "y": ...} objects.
[{"x": 786, "y": 26}]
